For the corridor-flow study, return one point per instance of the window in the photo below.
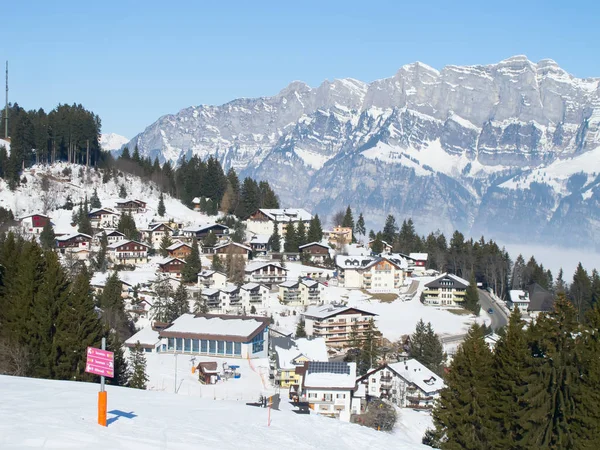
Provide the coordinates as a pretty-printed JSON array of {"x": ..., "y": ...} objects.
[
  {"x": 212, "y": 347},
  {"x": 229, "y": 348},
  {"x": 195, "y": 345},
  {"x": 258, "y": 343},
  {"x": 373, "y": 380},
  {"x": 171, "y": 344},
  {"x": 187, "y": 345},
  {"x": 203, "y": 346},
  {"x": 340, "y": 395},
  {"x": 221, "y": 347},
  {"x": 237, "y": 348},
  {"x": 178, "y": 344},
  {"x": 312, "y": 395}
]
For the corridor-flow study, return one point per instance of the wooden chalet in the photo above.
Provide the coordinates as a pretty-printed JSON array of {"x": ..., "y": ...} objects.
[
  {"x": 179, "y": 250},
  {"x": 131, "y": 206},
  {"x": 171, "y": 266}
]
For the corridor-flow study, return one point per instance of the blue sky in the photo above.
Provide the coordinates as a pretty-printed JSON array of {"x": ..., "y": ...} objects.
[{"x": 131, "y": 62}]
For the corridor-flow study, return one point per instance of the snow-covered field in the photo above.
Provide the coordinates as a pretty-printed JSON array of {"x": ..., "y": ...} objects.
[{"x": 63, "y": 415}]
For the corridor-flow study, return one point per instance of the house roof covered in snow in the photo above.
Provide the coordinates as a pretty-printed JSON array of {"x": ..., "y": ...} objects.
[
  {"x": 330, "y": 375},
  {"x": 312, "y": 349},
  {"x": 116, "y": 245},
  {"x": 214, "y": 326},
  {"x": 245, "y": 247},
  {"x": 287, "y": 215},
  {"x": 262, "y": 239},
  {"x": 176, "y": 245},
  {"x": 147, "y": 337},
  {"x": 257, "y": 265},
  {"x": 204, "y": 226},
  {"x": 289, "y": 284},
  {"x": 310, "y": 244},
  {"x": 167, "y": 260},
  {"x": 330, "y": 310},
  {"x": 419, "y": 256},
  {"x": 251, "y": 286},
  {"x": 518, "y": 296},
  {"x": 456, "y": 281},
  {"x": 419, "y": 375},
  {"x": 68, "y": 237}
]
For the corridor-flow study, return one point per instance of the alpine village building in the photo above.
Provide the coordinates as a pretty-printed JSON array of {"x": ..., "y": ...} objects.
[
  {"x": 336, "y": 323},
  {"x": 446, "y": 290}
]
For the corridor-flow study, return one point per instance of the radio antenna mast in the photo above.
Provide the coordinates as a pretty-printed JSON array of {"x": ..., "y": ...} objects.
[{"x": 6, "y": 110}]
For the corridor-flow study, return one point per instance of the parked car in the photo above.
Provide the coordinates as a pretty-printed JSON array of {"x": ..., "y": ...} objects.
[{"x": 490, "y": 311}]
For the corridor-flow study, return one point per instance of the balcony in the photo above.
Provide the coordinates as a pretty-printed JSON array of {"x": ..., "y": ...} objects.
[{"x": 256, "y": 299}]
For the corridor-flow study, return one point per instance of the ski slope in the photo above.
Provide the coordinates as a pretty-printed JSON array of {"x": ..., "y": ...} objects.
[{"x": 62, "y": 415}]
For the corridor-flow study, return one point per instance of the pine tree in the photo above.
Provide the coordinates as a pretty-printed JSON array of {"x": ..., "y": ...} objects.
[
  {"x": 560, "y": 285},
  {"x": 122, "y": 191},
  {"x": 300, "y": 331},
  {"x": 180, "y": 303},
  {"x": 301, "y": 234},
  {"x": 95, "y": 200},
  {"x": 315, "y": 231},
  {"x": 101, "y": 261},
  {"x": 210, "y": 240},
  {"x": 165, "y": 243},
  {"x": 471, "y": 301},
  {"x": 433, "y": 352},
  {"x": 121, "y": 367},
  {"x": 360, "y": 225},
  {"x": 461, "y": 416},
  {"x": 128, "y": 227},
  {"x": 580, "y": 291},
  {"x": 217, "y": 264},
  {"x": 417, "y": 341},
  {"x": 125, "y": 154},
  {"x": 348, "y": 221},
  {"x": 390, "y": 230},
  {"x": 377, "y": 246},
  {"x": 137, "y": 362},
  {"x": 113, "y": 308},
  {"x": 163, "y": 304},
  {"x": 85, "y": 224},
  {"x": 275, "y": 239},
  {"x": 290, "y": 244},
  {"x": 189, "y": 273},
  {"x": 47, "y": 237},
  {"x": 161, "y": 206},
  {"x": 77, "y": 327},
  {"x": 370, "y": 349}
]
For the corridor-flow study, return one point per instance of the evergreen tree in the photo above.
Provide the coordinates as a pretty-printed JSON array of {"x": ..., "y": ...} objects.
[
  {"x": 125, "y": 155},
  {"x": 360, "y": 225},
  {"x": 595, "y": 288},
  {"x": 217, "y": 264},
  {"x": 77, "y": 327},
  {"x": 189, "y": 273},
  {"x": 472, "y": 297},
  {"x": 580, "y": 291},
  {"x": 210, "y": 240},
  {"x": 315, "y": 231},
  {"x": 268, "y": 199},
  {"x": 390, "y": 230},
  {"x": 460, "y": 416},
  {"x": 417, "y": 341},
  {"x": 370, "y": 349},
  {"x": 47, "y": 237},
  {"x": 111, "y": 303},
  {"x": 165, "y": 243},
  {"x": 560, "y": 285},
  {"x": 128, "y": 227},
  {"x": 290, "y": 244},
  {"x": 85, "y": 224},
  {"x": 275, "y": 239},
  {"x": 300, "y": 331},
  {"x": 135, "y": 157},
  {"x": 121, "y": 367},
  {"x": 161, "y": 206},
  {"x": 377, "y": 245},
  {"x": 348, "y": 221},
  {"x": 137, "y": 362},
  {"x": 101, "y": 262},
  {"x": 301, "y": 234},
  {"x": 163, "y": 304},
  {"x": 95, "y": 200},
  {"x": 181, "y": 303},
  {"x": 433, "y": 352},
  {"x": 122, "y": 191}
]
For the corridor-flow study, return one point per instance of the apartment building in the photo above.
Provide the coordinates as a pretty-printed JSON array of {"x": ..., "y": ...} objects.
[{"x": 336, "y": 323}]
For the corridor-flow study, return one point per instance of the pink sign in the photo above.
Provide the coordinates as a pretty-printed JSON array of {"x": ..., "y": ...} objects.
[{"x": 100, "y": 362}]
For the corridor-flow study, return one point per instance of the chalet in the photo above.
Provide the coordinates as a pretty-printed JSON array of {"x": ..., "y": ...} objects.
[
  {"x": 291, "y": 354},
  {"x": 171, "y": 266},
  {"x": 73, "y": 243},
  {"x": 208, "y": 372},
  {"x": 518, "y": 299},
  {"x": 104, "y": 218},
  {"x": 328, "y": 388},
  {"x": 387, "y": 248},
  {"x": 179, "y": 250},
  {"x": 128, "y": 252},
  {"x": 265, "y": 272},
  {"x": 339, "y": 236},
  {"x": 300, "y": 293},
  {"x": 376, "y": 274},
  {"x": 263, "y": 221},
  {"x": 418, "y": 261},
  {"x": 260, "y": 244},
  {"x": 233, "y": 248},
  {"x": 446, "y": 290},
  {"x": 254, "y": 294},
  {"x": 408, "y": 384},
  {"x": 202, "y": 230},
  {"x": 212, "y": 279},
  {"x": 336, "y": 323},
  {"x": 217, "y": 335},
  {"x": 317, "y": 253},
  {"x": 98, "y": 282},
  {"x": 131, "y": 206},
  {"x": 34, "y": 224},
  {"x": 111, "y": 237},
  {"x": 147, "y": 338},
  {"x": 155, "y": 233}
]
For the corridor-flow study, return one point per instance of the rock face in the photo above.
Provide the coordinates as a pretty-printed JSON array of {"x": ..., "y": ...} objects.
[{"x": 510, "y": 150}]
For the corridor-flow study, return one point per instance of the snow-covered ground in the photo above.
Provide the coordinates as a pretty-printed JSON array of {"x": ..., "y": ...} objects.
[
  {"x": 63, "y": 415},
  {"x": 412, "y": 424}
]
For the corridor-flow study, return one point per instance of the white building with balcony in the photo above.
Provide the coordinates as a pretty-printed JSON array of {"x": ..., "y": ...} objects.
[
  {"x": 265, "y": 272},
  {"x": 519, "y": 299},
  {"x": 376, "y": 274},
  {"x": 212, "y": 279},
  {"x": 300, "y": 293},
  {"x": 254, "y": 294}
]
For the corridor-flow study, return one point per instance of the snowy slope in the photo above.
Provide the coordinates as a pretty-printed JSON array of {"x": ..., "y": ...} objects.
[
  {"x": 60, "y": 414},
  {"x": 112, "y": 141}
]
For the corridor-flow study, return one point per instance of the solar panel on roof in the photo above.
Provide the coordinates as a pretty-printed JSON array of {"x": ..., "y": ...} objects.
[{"x": 328, "y": 367}]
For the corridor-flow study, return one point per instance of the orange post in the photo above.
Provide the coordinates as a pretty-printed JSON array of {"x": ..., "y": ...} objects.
[{"x": 102, "y": 406}]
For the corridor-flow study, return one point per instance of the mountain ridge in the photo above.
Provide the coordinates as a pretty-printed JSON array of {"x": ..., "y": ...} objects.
[{"x": 455, "y": 133}]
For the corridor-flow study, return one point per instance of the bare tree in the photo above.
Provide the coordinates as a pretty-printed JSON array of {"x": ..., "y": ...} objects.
[{"x": 14, "y": 359}]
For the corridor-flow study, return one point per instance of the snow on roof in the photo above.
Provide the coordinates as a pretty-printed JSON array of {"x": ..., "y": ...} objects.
[
  {"x": 249, "y": 286},
  {"x": 287, "y": 215},
  {"x": 260, "y": 239},
  {"x": 233, "y": 243},
  {"x": 435, "y": 282},
  {"x": 519, "y": 296},
  {"x": 322, "y": 312},
  {"x": 118, "y": 244},
  {"x": 415, "y": 372},
  {"x": 210, "y": 291},
  {"x": 229, "y": 289},
  {"x": 352, "y": 262},
  {"x": 34, "y": 214},
  {"x": 176, "y": 245},
  {"x": 106, "y": 210},
  {"x": 289, "y": 284},
  {"x": 206, "y": 273},
  {"x": 313, "y": 243},
  {"x": 419, "y": 256},
  {"x": 259, "y": 265},
  {"x": 309, "y": 283},
  {"x": 313, "y": 350},
  {"x": 203, "y": 226},
  {"x": 330, "y": 379},
  {"x": 168, "y": 259},
  {"x": 218, "y": 326},
  {"x": 71, "y": 236},
  {"x": 146, "y": 336}
]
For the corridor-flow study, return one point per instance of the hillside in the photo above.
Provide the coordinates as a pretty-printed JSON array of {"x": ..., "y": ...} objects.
[
  {"x": 62, "y": 414},
  {"x": 438, "y": 146}
]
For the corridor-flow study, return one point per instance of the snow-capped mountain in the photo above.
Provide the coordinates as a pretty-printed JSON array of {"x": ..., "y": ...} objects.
[
  {"x": 112, "y": 141},
  {"x": 491, "y": 149}
]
